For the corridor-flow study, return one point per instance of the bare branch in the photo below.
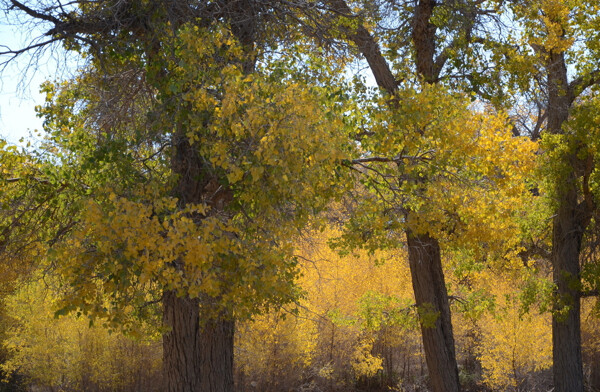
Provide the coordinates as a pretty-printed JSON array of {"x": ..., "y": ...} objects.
[
  {"x": 33, "y": 13},
  {"x": 17, "y": 52},
  {"x": 17, "y": 179},
  {"x": 397, "y": 159},
  {"x": 373, "y": 159}
]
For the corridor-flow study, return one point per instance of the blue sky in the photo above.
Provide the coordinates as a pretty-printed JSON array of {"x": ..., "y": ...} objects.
[
  {"x": 20, "y": 81},
  {"x": 17, "y": 115},
  {"x": 18, "y": 92}
]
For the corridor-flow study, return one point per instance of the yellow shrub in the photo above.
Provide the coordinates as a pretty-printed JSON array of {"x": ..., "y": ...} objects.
[{"x": 66, "y": 353}]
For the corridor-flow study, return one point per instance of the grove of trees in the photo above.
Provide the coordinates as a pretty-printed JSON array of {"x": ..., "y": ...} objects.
[{"x": 223, "y": 200}]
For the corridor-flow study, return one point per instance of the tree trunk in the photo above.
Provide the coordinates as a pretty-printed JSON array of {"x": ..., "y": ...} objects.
[
  {"x": 424, "y": 254},
  {"x": 423, "y": 37},
  {"x": 566, "y": 324},
  {"x": 568, "y": 227},
  {"x": 423, "y": 251},
  {"x": 197, "y": 356},
  {"x": 432, "y": 298},
  {"x": 197, "y": 353}
]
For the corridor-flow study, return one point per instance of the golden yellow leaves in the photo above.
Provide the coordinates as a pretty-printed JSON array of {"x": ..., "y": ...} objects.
[
  {"x": 550, "y": 25},
  {"x": 132, "y": 245},
  {"x": 281, "y": 133},
  {"x": 64, "y": 352},
  {"x": 456, "y": 166},
  {"x": 363, "y": 362},
  {"x": 514, "y": 343},
  {"x": 276, "y": 342},
  {"x": 348, "y": 309},
  {"x": 267, "y": 137},
  {"x": 260, "y": 139},
  {"x": 557, "y": 21}
]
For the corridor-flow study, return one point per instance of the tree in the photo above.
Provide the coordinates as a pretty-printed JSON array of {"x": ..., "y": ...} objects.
[
  {"x": 188, "y": 163},
  {"x": 558, "y": 36},
  {"x": 429, "y": 42}
]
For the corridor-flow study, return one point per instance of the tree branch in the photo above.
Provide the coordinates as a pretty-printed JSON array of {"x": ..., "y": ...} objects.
[
  {"x": 370, "y": 49},
  {"x": 33, "y": 13},
  {"x": 40, "y": 180},
  {"x": 396, "y": 159},
  {"x": 457, "y": 299},
  {"x": 374, "y": 159},
  {"x": 589, "y": 293},
  {"x": 17, "y": 52},
  {"x": 579, "y": 85}
]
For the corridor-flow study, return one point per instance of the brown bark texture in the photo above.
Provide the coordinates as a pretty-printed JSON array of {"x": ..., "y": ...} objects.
[
  {"x": 423, "y": 37},
  {"x": 197, "y": 355},
  {"x": 197, "y": 351},
  {"x": 432, "y": 298},
  {"x": 567, "y": 233},
  {"x": 566, "y": 328}
]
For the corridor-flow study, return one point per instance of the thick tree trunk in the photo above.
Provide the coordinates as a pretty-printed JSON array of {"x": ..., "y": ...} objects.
[
  {"x": 432, "y": 301},
  {"x": 197, "y": 352},
  {"x": 566, "y": 328},
  {"x": 197, "y": 355},
  {"x": 568, "y": 228},
  {"x": 216, "y": 364}
]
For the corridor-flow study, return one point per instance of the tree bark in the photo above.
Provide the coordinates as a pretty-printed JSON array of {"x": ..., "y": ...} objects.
[
  {"x": 197, "y": 355},
  {"x": 197, "y": 352},
  {"x": 567, "y": 233},
  {"x": 423, "y": 37},
  {"x": 432, "y": 298},
  {"x": 424, "y": 251},
  {"x": 566, "y": 328}
]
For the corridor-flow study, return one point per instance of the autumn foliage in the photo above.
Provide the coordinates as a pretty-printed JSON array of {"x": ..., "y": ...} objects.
[{"x": 220, "y": 201}]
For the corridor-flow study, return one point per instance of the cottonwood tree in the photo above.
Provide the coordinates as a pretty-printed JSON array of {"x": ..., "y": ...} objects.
[
  {"x": 557, "y": 54},
  {"x": 187, "y": 160},
  {"x": 412, "y": 49}
]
